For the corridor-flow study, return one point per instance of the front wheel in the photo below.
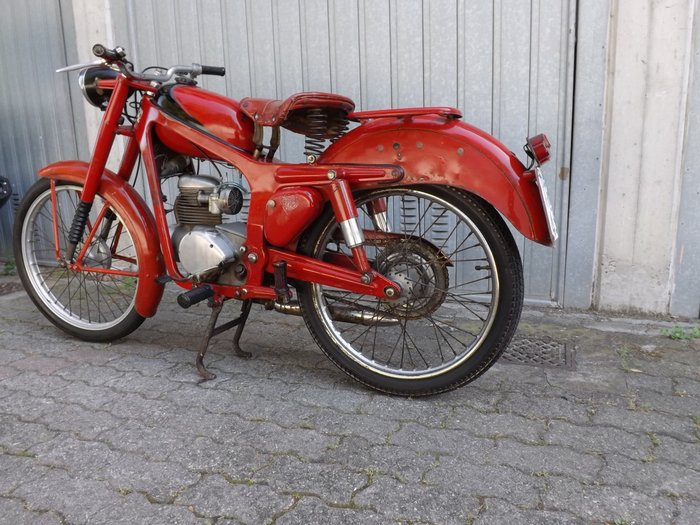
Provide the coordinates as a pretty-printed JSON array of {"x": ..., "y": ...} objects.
[
  {"x": 96, "y": 301},
  {"x": 461, "y": 296}
]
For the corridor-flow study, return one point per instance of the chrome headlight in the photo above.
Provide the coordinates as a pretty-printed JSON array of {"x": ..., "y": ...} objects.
[{"x": 98, "y": 97}]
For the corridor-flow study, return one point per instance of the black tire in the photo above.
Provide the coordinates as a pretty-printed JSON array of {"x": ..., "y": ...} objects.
[
  {"x": 422, "y": 268},
  {"x": 88, "y": 305}
]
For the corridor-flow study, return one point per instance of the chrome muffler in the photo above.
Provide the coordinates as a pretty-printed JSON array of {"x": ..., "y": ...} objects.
[{"x": 343, "y": 314}]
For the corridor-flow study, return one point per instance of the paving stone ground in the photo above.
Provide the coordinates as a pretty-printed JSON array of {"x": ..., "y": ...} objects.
[{"x": 125, "y": 432}]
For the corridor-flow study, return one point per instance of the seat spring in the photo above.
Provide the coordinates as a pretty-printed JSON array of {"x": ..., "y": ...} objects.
[
  {"x": 317, "y": 124},
  {"x": 340, "y": 128},
  {"x": 321, "y": 125}
]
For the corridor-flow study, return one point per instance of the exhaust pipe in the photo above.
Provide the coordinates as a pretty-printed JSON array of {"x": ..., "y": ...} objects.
[{"x": 343, "y": 314}]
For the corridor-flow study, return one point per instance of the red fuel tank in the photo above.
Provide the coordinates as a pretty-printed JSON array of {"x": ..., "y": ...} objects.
[{"x": 211, "y": 112}]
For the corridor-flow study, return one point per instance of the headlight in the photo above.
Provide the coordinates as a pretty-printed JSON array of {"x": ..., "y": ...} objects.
[{"x": 87, "y": 80}]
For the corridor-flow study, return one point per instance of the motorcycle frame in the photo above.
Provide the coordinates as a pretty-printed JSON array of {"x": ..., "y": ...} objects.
[
  {"x": 333, "y": 181},
  {"x": 417, "y": 146}
]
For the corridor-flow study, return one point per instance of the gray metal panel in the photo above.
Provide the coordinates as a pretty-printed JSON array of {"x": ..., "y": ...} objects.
[
  {"x": 475, "y": 33},
  {"x": 532, "y": 93},
  {"x": 35, "y": 103},
  {"x": 588, "y": 129},
  {"x": 506, "y": 63},
  {"x": 550, "y": 110},
  {"x": 685, "y": 298}
]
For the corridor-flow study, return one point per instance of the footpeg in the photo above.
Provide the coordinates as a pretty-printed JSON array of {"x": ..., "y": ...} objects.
[
  {"x": 195, "y": 295},
  {"x": 281, "y": 285}
]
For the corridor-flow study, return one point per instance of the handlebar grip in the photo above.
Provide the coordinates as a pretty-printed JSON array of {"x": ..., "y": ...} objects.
[
  {"x": 214, "y": 70},
  {"x": 101, "y": 51}
]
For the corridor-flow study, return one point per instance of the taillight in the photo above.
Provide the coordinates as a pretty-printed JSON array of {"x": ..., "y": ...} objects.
[{"x": 537, "y": 148}]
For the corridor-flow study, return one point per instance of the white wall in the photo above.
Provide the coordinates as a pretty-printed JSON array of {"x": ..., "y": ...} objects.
[
  {"x": 647, "y": 90},
  {"x": 93, "y": 24}
]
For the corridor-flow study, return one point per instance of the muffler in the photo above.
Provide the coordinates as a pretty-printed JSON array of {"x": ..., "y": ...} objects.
[{"x": 344, "y": 314}]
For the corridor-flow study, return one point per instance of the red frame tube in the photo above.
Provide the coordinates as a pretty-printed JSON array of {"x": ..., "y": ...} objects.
[
  {"x": 264, "y": 180},
  {"x": 105, "y": 138},
  {"x": 54, "y": 213}
]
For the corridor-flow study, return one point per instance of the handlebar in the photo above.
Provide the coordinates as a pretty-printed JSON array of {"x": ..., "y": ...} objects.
[
  {"x": 117, "y": 56},
  {"x": 193, "y": 70}
]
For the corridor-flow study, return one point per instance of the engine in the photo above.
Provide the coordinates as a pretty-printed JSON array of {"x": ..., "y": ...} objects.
[{"x": 205, "y": 246}]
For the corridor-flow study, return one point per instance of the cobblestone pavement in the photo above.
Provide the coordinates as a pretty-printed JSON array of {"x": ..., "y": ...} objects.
[{"x": 124, "y": 432}]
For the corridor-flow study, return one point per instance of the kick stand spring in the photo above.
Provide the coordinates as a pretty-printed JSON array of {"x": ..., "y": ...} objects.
[{"x": 213, "y": 330}]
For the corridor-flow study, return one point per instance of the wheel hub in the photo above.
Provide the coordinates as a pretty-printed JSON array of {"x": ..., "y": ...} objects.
[
  {"x": 98, "y": 255},
  {"x": 421, "y": 275}
]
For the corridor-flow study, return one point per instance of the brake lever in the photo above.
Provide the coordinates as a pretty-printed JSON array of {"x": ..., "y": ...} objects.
[{"x": 75, "y": 67}]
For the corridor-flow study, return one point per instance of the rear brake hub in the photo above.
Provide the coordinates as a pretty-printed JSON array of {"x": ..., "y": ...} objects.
[{"x": 420, "y": 272}]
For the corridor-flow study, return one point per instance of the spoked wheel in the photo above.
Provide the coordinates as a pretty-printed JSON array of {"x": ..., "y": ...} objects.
[
  {"x": 461, "y": 291},
  {"x": 96, "y": 301}
]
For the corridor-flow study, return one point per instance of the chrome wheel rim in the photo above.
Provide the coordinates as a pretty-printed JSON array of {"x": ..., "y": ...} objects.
[
  {"x": 433, "y": 335},
  {"x": 85, "y": 300}
]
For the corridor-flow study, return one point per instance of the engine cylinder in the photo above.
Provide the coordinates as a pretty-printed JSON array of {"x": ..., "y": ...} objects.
[{"x": 189, "y": 211}]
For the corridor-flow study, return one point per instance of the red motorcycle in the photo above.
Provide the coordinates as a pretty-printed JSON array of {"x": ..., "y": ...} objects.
[{"x": 387, "y": 240}]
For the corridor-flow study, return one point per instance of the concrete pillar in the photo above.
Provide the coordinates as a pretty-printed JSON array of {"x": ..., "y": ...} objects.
[
  {"x": 93, "y": 25},
  {"x": 650, "y": 44}
]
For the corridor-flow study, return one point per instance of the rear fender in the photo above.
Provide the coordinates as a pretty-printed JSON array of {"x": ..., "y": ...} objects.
[
  {"x": 137, "y": 218},
  {"x": 441, "y": 150}
]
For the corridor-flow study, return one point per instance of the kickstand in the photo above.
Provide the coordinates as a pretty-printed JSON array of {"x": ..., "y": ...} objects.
[
  {"x": 245, "y": 310},
  {"x": 213, "y": 330},
  {"x": 204, "y": 344}
]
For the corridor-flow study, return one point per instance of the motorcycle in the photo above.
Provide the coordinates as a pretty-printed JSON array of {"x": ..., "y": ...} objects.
[{"x": 389, "y": 240}]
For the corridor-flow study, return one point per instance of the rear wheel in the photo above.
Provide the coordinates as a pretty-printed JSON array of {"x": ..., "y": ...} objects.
[
  {"x": 461, "y": 291},
  {"x": 97, "y": 302}
]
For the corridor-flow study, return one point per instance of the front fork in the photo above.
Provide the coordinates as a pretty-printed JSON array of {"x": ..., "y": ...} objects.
[{"x": 103, "y": 146}]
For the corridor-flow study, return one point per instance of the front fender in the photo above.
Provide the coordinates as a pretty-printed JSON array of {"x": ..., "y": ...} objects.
[
  {"x": 138, "y": 219},
  {"x": 434, "y": 149}
]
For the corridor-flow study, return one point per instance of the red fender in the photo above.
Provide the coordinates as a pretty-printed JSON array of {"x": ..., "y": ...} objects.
[
  {"x": 436, "y": 149},
  {"x": 137, "y": 218}
]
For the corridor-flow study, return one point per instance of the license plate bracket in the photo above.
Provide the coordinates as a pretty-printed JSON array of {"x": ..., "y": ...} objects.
[{"x": 547, "y": 205}]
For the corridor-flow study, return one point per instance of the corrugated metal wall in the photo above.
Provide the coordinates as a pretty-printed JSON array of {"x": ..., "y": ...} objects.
[
  {"x": 36, "y": 118},
  {"x": 505, "y": 63}
]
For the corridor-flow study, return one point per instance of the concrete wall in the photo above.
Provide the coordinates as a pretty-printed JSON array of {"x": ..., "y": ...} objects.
[{"x": 648, "y": 81}]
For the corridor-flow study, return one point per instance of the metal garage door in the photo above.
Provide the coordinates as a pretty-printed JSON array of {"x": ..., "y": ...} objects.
[
  {"x": 508, "y": 64},
  {"x": 36, "y": 119}
]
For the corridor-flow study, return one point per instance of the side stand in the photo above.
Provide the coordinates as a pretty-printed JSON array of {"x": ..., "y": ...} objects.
[{"x": 213, "y": 330}]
